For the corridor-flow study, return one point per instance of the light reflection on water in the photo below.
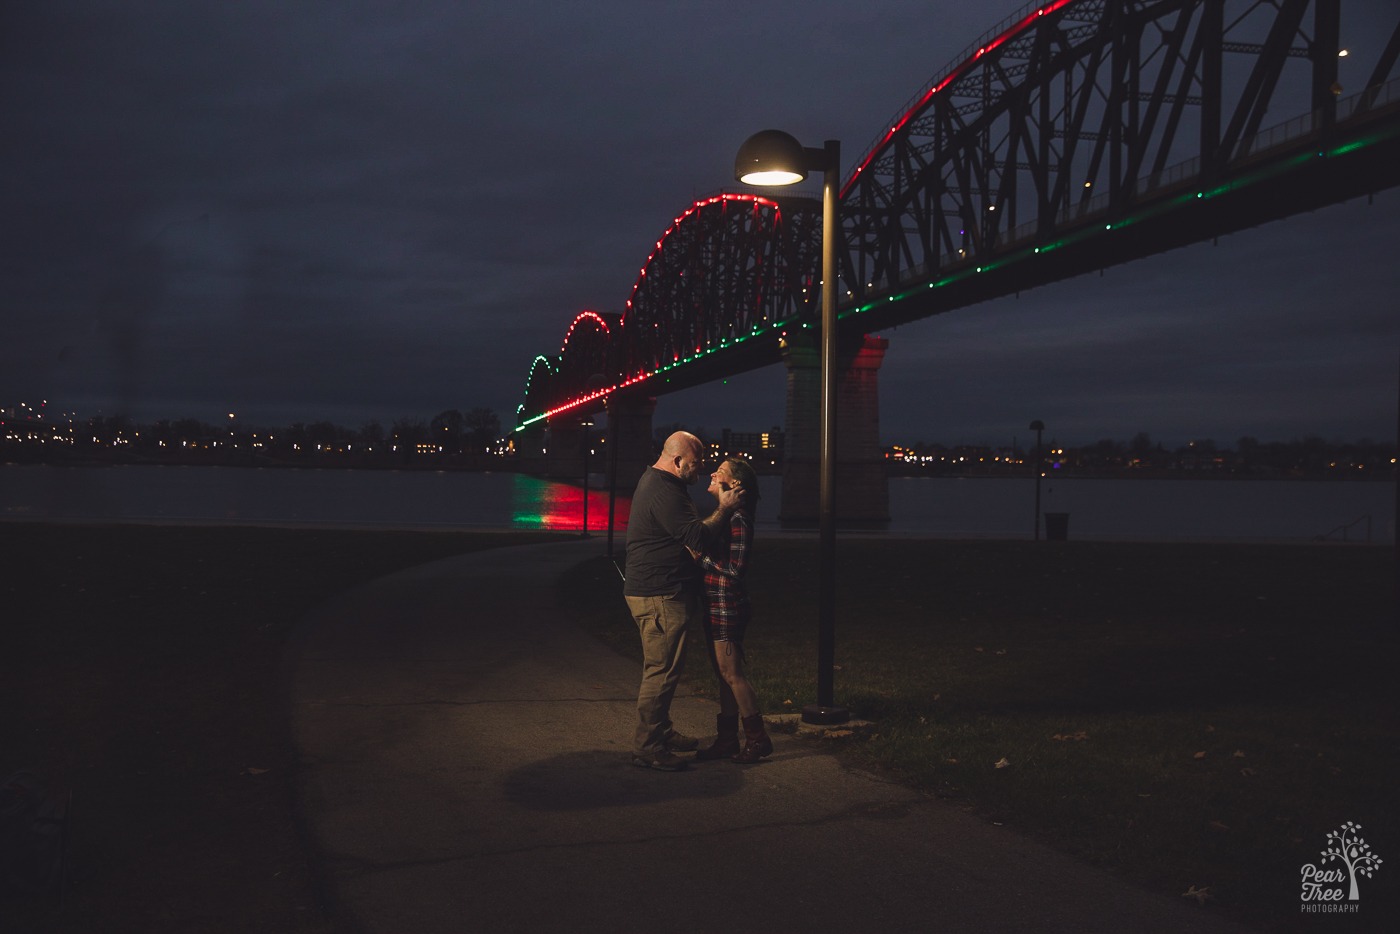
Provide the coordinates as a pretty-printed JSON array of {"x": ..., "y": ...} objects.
[
  {"x": 545, "y": 504},
  {"x": 375, "y": 498},
  {"x": 1161, "y": 510}
]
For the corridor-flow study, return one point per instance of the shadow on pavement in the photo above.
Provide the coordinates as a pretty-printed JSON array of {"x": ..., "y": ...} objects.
[{"x": 576, "y": 781}]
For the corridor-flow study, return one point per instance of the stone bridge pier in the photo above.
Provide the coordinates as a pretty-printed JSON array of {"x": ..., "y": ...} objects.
[
  {"x": 554, "y": 449},
  {"x": 630, "y": 447},
  {"x": 862, "y": 490},
  {"x": 623, "y": 444}
]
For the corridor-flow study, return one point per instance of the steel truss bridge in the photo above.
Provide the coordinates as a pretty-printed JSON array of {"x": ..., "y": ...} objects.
[{"x": 1075, "y": 135}]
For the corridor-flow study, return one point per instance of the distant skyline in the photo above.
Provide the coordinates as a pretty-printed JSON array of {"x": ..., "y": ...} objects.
[
  {"x": 299, "y": 213},
  {"x": 1019, "y": 439}
]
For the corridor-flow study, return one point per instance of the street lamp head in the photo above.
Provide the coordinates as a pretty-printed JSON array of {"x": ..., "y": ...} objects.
[
  {"x": 771, "y": 157},
  {"x": 1037, "y": 425}
]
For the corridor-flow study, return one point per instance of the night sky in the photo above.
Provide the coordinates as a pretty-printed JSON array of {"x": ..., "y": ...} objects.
[{"x": 304, "y": 211}]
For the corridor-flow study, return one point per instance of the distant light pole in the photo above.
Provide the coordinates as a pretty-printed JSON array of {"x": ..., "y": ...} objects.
[
  {"x": 612, "y": 482},
  {"x": 772, "y": 157},
  {"x": 1037, "y": 426},
  {"x": 587, "y": 423}
]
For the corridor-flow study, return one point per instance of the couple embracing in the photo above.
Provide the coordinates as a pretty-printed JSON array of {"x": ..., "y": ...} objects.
[{"x": 681, "y": 571}]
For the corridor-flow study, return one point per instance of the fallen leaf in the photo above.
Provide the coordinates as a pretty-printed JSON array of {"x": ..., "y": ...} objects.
[
  {"x": 253, "y": 771},
  {"x": 1209, "y": 728},
  {"x": 951, "y": 761},
  {"x": 1217, "y": 825},
  {"x": 1200, "y": 895},
  {"x": 978, "y": 649},
  {"x": 1081, "y": 735},
  {"x": 787, "y": 703},
  {"x": 1003, "y": 762},
  {"x": 835, "y": 734},
  {"x": 1001, "y": 651},
  {"x": 1199, "y": 755},
  {"x": 937, "y": 696},
  {"x": 1247, "y": 772},
  {"x": 1238, "y": 754}
]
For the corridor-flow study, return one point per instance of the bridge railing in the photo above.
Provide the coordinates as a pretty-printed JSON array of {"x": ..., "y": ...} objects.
[{"x": 1371, "y": 99}]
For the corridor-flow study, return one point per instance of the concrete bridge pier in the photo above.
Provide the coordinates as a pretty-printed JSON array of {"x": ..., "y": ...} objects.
[
  {"x": 862, "y": 490},
  {"x": 630, "y": 447},
  {"x": 555, "y": 449},
  {"x": 531, "y": 445}
]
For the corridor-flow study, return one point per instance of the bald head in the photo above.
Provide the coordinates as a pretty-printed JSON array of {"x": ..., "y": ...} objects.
[{"x": 681, "y": 456}]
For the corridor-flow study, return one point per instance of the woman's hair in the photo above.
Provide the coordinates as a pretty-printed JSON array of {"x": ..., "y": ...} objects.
[{"x": 743, "y": 472}]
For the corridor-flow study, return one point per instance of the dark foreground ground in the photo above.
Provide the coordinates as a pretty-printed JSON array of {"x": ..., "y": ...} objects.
[{"x": 140, "y": 668}]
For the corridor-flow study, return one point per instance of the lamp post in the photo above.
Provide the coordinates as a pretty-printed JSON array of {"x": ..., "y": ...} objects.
[
  {"x": 772, "y": 157},
  {"x": 612, "y": 482},
  {"x": 1037, "y": 426},
  {"x": 587, "y": 423}
]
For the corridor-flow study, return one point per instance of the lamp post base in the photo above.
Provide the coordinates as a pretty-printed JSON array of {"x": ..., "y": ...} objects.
[{"x": 824, "y": 716}]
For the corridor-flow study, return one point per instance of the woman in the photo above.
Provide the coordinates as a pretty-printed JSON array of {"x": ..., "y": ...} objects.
[{"x": 726, "y": 618}]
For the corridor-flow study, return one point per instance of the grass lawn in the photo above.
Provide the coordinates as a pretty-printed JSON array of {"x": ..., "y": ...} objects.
[
  {"x": 140, "y": 667},
  {"x": 1195, "y": 718}
]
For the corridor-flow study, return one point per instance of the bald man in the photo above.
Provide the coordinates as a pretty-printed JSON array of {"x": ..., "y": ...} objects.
[{"x": 663, "y": 589}]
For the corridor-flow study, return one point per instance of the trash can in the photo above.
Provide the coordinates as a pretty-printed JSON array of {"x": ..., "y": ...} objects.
[{"x": 1056, "y": 526}]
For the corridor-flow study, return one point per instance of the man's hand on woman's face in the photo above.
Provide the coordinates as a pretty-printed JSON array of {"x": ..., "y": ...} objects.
[{"x": 729, "y": 499}]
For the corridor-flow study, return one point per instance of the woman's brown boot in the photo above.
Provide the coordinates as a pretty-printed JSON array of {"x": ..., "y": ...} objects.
[
  {"x": 756, "y": 741},
  {"x": 726, "y": 743}
]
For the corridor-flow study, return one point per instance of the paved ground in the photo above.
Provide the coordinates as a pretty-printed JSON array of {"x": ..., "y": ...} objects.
[{"x": 465, "y": 767}]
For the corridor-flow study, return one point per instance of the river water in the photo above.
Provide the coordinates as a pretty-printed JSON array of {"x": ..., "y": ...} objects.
[{"x": 1153, "y": 510}]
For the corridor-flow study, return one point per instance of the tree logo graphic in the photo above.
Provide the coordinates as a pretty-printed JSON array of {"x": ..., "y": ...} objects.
[{"x": 1322, "y": 885}]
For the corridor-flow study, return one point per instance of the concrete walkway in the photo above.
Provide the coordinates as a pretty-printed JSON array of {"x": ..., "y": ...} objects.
[{"x": 465, "y": 767}]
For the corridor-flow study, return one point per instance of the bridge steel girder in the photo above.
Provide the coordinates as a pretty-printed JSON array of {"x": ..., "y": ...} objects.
[
  {"x": 730, "y": 267},
  {"x": 1075, "y": 135},
  {"x": 1095, "y": 112},
  {"x": 724, "y": 282}
]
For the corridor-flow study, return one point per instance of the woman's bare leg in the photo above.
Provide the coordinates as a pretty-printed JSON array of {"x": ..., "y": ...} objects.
[{"x": 733, "y": 682}]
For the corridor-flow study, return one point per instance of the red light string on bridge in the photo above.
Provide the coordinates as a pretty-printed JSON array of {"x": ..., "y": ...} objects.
[
  {"x": 952, "y": 76},
  {"x": 757, "y": 202},
  {"x": 584, "y": 315}
]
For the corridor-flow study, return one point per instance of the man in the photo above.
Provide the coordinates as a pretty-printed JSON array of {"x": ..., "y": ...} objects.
[{"x": 663, "y": 589}]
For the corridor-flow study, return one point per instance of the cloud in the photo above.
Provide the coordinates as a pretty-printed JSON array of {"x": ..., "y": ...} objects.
[{"x": 314, "y": 211}]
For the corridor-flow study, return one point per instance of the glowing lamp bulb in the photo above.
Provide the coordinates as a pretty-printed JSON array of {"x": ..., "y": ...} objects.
[{"x": 776, "y": 177}]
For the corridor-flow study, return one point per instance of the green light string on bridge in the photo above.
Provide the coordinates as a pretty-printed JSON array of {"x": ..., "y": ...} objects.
[
  {"x": 529, "y": 380},
  {"x": 1164, "y": 207},
  {"x": 1272, "y": 171}
]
